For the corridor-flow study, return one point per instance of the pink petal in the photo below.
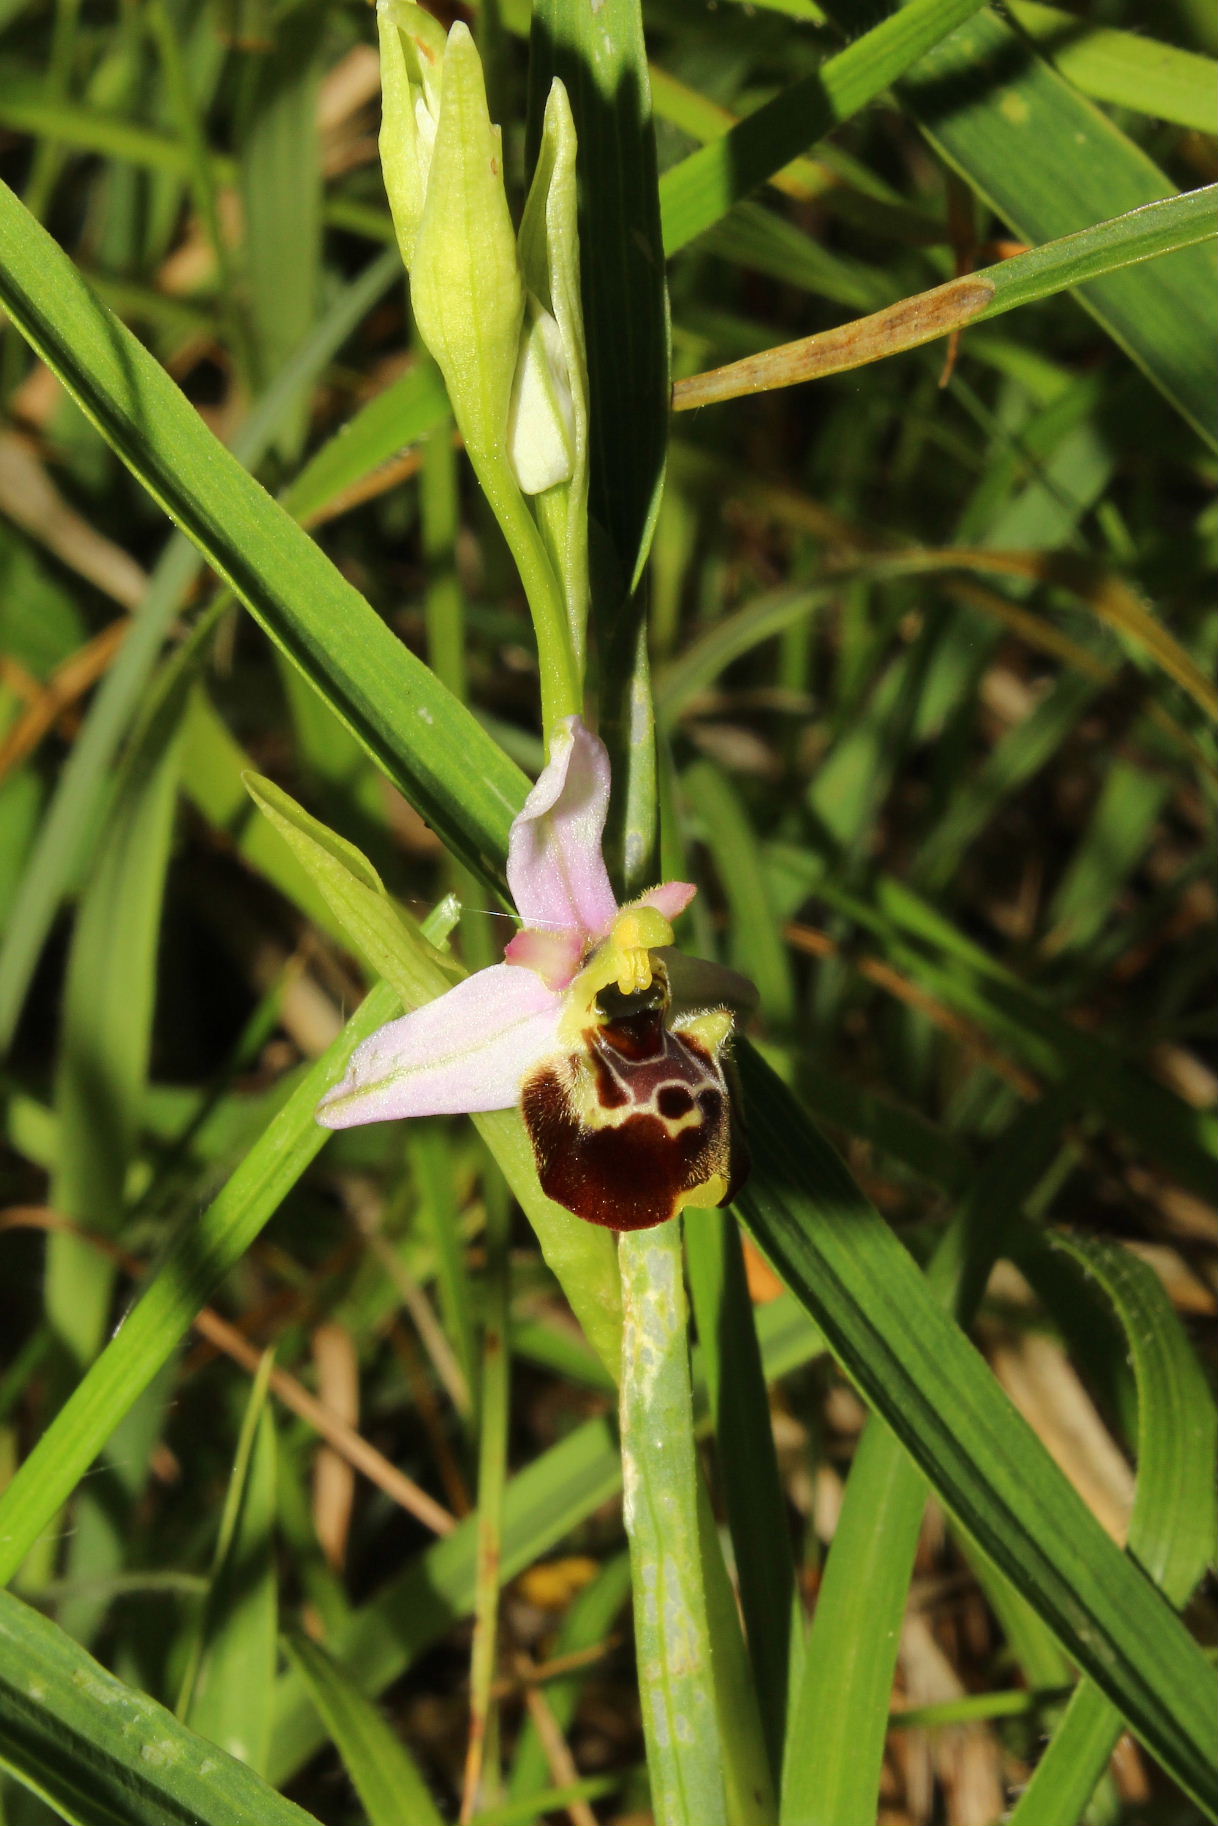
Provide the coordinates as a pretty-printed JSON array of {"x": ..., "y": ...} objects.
[
  {"x": 468, "y": 1050},
  {"x": 555, "y": 956},
  {"x": 555, "y": 869},
  {"x": 671, "y": 898}
]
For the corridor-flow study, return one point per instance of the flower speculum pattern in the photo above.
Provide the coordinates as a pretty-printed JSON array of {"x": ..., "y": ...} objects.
[
  {"x": 637, "y": 1120},
  {"x": 624, "y": 1085}
]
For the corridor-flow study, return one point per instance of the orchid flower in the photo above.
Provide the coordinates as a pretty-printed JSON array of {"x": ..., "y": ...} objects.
[{"x": 623, "y": 1093}]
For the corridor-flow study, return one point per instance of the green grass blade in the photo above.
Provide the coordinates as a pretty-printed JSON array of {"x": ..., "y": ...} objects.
[
  {"x": 1171, "y": 1528},
  {"x": 839, "y": 1715},
  {"x": 197, "y": 1260},
  {"x": 383, "y": 1773},
  {"x": 704, "y": 186},
  {"x": 230, "y": 1686},
  {"x": 1124, "y": 68},
  {"x": 75, "y": 811},
  {"x": 103, "y": 1754},
  {"x": 106, "y": 1041},
  {"x": 403, "y": 413},
  {"x": 280, "y": 178},
  {"x": 990, "y": 1470},
  {"x": 758, "y": 947},
  {"x": 408, "y": 723},
  {"x": 1050, "y": 164}
]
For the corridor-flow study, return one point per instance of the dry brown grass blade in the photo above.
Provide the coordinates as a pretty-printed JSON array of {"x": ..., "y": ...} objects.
[
  {"x": 901, "y": 326},
  {"x": 68, "y": 684},
  {"x": 336, "y": 1361},
  {"x": 31, "y": 500},
  {"x": 1038, "y": 1376},
  {"x": 562, "y": 1764}
]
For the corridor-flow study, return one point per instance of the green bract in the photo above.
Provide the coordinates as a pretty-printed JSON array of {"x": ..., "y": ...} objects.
[
  {"x": 503, "y": 323},
  {"x": 412, "y": 64}
]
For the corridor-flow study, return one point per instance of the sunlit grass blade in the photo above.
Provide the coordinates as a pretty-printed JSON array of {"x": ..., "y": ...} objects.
[
  {"x": 697, "y": 192},
  {"x": 1122, "y": 67},
  {"x": 101, "y": 1753},
  {"x": 1146, "y": 233},
  {"x": 985, "y": 1463},
  {"x": 1050, "y": 163}
]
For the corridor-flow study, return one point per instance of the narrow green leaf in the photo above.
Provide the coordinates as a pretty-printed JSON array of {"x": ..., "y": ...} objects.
[
  {"x": 704, "y": 186},
  {"x": 229, "y": 1687},
  {"x": 280, "y": 177},
  {"x": 103, "y": 1754},
  {"x": 382, "y": 1770},
  {"x": 403, "y": 413},
  {"x": 1126, "y": 68},
  {"x": 839, "y": 1715},
  {"x": 202, "y": 1252},
  {"x": 1050, "y": 163},
  {"x": 107, "y": 1032},
  {"x": 408, "y": 723},
  {"x": 1171, "y": 1528},
  {"x": 990, "y": 1470}
]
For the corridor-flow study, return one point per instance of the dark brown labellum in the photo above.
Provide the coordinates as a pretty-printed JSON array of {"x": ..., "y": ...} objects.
[{"x": 638, "y": 1123}]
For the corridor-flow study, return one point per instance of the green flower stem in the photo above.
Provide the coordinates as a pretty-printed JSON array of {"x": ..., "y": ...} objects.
[
  {"x": 561, "y": 675},
  {"x": 660, "y": 1481}
]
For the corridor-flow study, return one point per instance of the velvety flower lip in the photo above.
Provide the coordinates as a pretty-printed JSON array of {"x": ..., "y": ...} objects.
[{"x": 472, "y": 1048}]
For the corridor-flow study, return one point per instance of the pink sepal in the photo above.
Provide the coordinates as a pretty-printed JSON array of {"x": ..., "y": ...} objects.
[
  {"x": 555, "y": 868},
  {"x": 468, "y": 1050}
]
